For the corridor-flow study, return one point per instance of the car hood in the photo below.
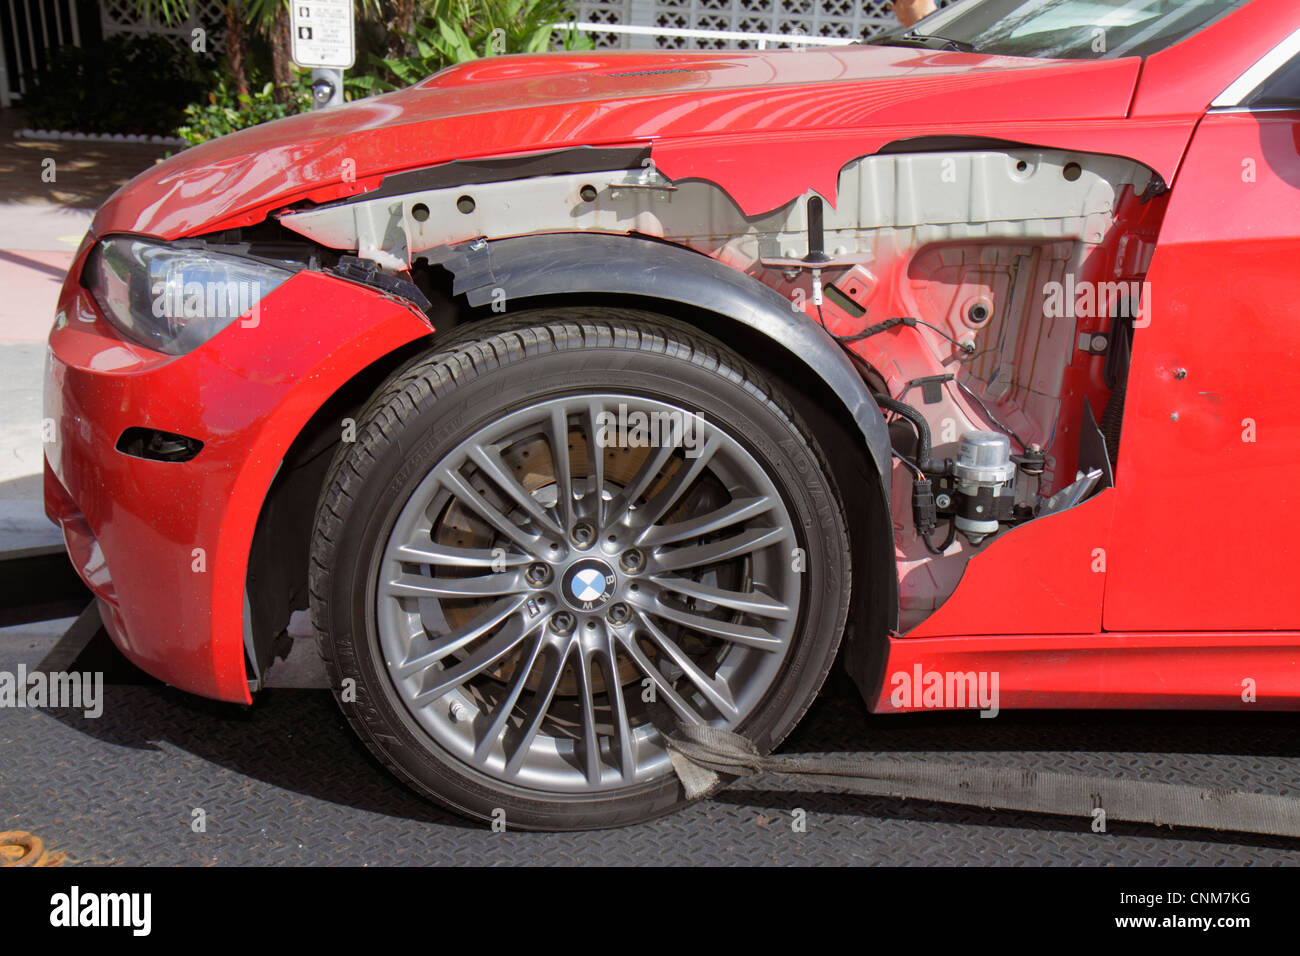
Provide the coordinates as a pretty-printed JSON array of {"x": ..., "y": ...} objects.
[{"x": 518, "y": 104}]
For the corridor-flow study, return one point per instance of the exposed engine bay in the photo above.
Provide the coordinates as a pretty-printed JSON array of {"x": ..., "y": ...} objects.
[{"x": 987, "y": 296}]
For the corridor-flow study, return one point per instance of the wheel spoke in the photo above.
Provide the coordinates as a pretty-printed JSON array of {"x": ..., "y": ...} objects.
[
  {"x": 471, "y": 499},
  {"x": 714, "y": 552},
  {"x": 483, "y": 585},
  {"x": 496, "y": 648},
  {"x": 713, "y": 688},
  {"x": 595, "y": 462},
  {"x": 557, "y": 436},
  {"x": 734, "y": 512},
  {"x": 444, "y": 556},
  {"x": 624, "y": 746},
  {"x": 455, "y": 640},
  {"x": 650, "y": 469},
  {"x": 540, "y": 702},
  {"x": 665, "y": 688},
  {"x": 490, "y": 461},
  {"x": 677, "y": 485},
  {"x": 590, "y": 743},
  {"x": 729, "y": 631},
  {"x": 748, "y": 602},
  {"x": 507, "y": 706}
]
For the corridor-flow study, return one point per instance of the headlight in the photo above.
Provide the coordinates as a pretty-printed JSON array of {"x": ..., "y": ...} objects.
[{"x": 171, "y": 299}]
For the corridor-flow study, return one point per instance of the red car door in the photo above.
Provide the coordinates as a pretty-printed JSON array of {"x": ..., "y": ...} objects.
[{"x": 1206, "y": 531}]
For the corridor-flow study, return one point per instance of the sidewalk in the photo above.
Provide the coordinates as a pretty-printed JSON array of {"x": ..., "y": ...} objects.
[{"x": 41, "y": 225}]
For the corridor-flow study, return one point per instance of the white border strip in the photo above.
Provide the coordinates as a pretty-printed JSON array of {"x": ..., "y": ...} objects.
[
  {"x": 66, "y": 135},
  {"x": 1253, "y": 78}
]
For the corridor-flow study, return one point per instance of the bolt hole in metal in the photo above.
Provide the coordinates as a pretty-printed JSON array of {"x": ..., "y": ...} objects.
[
  {"x": 465, "y": 204},
  {"x": 1071, "y": 172},
  {"x": 564, "y": 583},
  {"x": 420, "y": 212}
]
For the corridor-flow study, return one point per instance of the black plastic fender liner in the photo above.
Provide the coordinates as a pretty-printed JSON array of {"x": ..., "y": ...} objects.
[{"x": 593, "y": 263}]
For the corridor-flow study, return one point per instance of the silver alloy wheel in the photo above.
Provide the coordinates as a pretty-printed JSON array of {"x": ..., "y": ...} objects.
[{"x": 541, "y": 608}]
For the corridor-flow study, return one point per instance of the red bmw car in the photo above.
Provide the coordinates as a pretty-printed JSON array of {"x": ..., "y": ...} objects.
[{"x": 582, "y": 395}]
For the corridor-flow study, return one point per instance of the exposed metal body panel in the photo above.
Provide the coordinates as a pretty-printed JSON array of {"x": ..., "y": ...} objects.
[{"x": 883, "y": 204}]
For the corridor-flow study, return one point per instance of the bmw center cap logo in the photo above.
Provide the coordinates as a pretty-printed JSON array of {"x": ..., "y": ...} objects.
[{"x": 588, "y": 584}]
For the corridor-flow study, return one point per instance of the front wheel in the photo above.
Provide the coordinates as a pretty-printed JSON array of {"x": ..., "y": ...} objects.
[{"x": 552, "y": 543}]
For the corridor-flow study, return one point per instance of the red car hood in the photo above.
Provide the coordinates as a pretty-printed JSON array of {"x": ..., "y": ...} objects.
[{"x": 508, "y": 105}]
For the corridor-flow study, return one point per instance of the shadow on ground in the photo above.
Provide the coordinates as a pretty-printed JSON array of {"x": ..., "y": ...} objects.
[{"x": 85, "y": 173}]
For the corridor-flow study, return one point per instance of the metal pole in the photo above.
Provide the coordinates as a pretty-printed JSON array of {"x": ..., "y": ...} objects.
[{"x": 326, "y": 88}]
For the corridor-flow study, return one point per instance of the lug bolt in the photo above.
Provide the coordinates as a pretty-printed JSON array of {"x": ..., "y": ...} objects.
[
  {"x": 583, "y": 534},
  {"x": 619, "y": 614},
  {"x": 562, "y": 622},
  {"x": 632, "y": 561},
  {"x": 537, "y": 574},
  {"x": 457, "y": 712}
]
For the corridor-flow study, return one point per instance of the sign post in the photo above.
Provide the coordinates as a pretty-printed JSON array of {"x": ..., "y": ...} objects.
[{"x": 323, "y": 41}]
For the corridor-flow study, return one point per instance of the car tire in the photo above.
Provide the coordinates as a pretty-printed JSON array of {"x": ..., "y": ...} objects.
[{"x": 458, "y": 593}]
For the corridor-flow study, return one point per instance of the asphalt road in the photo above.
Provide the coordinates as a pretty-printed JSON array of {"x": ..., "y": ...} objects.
[{"x": 285, "y": 782}]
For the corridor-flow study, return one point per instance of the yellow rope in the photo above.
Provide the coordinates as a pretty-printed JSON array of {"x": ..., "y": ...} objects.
[{"x": 20, "y": 848}]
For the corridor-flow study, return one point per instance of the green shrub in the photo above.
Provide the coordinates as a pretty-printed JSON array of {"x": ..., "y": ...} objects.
[
  {"x": 224, "y": 111},
  {"x": 126, "y": 84},
  {"x": 457, "y": 31},
  {"x": 445, "y": 32}
]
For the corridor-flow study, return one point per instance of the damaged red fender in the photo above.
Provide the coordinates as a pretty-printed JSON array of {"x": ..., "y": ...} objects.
[{"x": 174, "y": 599}]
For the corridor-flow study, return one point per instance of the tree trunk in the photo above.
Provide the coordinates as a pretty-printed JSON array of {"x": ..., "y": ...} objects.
[
  {"x": 235, "y": 47},
  {"x": 281, "y": 55},
  {"x": 403, "y": 22}
]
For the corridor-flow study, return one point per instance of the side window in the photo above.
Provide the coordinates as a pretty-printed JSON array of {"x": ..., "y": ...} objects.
[{"x": 1280, "y": 89}]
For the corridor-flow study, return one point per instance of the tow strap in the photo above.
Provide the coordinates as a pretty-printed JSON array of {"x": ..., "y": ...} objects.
[{"x": 705, "y": 756}]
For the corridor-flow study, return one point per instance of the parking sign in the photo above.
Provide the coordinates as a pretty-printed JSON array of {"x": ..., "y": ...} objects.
[{"x": 322, "y": 33}]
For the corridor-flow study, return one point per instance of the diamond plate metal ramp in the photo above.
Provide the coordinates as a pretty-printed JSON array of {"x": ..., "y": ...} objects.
[{"x": 285, "y": 782}]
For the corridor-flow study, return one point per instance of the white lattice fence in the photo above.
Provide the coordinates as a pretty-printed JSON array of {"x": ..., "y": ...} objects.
[
  {"x": 832, "y": 18},
  {"x": 118, "y": 16}
]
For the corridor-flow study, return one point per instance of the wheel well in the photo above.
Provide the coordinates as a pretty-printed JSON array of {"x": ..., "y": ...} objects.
[
  {"x": 276, "y": 582},
  {"x": 277, "y": 568}
]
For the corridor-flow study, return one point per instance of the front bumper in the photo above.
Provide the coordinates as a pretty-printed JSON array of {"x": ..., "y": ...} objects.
[{"x": 164, "y": 545}]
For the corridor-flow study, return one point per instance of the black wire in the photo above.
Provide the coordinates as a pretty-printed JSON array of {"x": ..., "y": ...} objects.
[
  {"x": 913, "y": 417},
  {"x": 965, "y": 347},
  {"x": 916, "y": 469},
  {"x": 991, "y": 417},
  {"x": 947, "y": 541}
]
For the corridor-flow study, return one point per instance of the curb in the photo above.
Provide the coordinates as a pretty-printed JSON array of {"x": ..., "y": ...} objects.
[{"x": 52, "y": 134}]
